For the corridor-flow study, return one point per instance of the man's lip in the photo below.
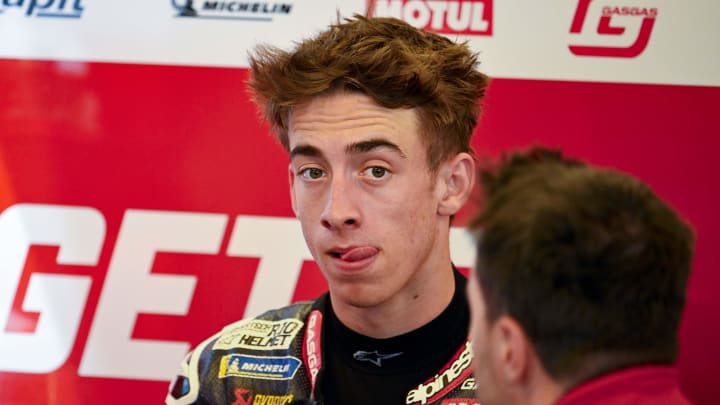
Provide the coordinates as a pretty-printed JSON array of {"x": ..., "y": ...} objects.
[{"x": 353, "y": 253}]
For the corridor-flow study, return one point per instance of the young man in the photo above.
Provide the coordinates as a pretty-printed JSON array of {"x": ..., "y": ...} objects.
[
  {"x": 579, "y": 286},
  {"x": 377, "y": 118}
]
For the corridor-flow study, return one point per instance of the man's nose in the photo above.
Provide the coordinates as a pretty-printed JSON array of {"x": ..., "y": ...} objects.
[{"x": 341, "y": 207}]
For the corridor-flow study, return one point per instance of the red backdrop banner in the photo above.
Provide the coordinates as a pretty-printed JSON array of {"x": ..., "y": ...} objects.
[{"x": 143, "y": 205}]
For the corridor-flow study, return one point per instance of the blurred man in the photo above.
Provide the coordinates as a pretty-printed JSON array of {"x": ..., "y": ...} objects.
[
  {"x": 579, "y": 286},
  {"x": 376, "y": 117}
]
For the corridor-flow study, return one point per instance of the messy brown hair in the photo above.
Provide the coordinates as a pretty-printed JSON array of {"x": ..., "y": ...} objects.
[
  {"x": 590, "y": 261},
  {"x": 392, "y": 62}
]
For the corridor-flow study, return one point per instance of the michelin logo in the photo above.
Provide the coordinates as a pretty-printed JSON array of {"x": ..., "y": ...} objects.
[
  {"x": 238, "y": 10},
  {"x": 265, "y": 368},
  {"x": 257, "y": 334},
  {"x": 47, "y": 8}
]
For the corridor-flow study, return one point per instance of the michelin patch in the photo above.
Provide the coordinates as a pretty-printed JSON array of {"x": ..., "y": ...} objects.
[{"x": 260, "y": 367}]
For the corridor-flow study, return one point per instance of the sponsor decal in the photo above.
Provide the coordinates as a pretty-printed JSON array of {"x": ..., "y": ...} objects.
[
  {"x": 233, "y": 10},
  {"x": 374, "y": 357},
  {"x": 456, "y": 371},
  {"x": 46, "y": 8},
  {"x": 606, "y": 28},
  {"x": 259, "y": 335},
  {"x": 469, "y": 384},
  {"x": 261, "y": 399},
  {"x": 242, "y": 397},
  {"x": 460, "y": 17},
  {"x": 311, "y": 348},
  {"x": 266, "y": 368},
  {"x": 460, "y": 401}
]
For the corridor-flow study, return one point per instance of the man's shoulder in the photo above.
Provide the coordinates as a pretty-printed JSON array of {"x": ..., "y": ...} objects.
[
  {"x": 298, "y": 310},
  {"x": 261, "y": 354},
  {"x": 273, "y": 329},
  {"x": 641, "y": 384}
]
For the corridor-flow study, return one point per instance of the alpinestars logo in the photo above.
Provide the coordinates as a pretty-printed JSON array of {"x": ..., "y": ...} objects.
[
  {"x": 460, "y": 17},
  {"x": 452, "y": 375},
  {"x": 374, "y": 357},
  {"x": 608, "y": 29},
  {"x": 231, "y": 10}
]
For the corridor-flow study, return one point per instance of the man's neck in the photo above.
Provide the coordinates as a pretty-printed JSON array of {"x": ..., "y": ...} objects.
[
  {"x": 539, "y": 388},
  {"x": 404, "y": 312}
]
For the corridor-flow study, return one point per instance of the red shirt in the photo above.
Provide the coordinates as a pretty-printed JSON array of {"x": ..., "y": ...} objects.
[{"x": 643, "y": 385}]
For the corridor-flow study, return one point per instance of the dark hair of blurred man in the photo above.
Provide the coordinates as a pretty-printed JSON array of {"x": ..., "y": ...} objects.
[{"x": 578, "y": 288}]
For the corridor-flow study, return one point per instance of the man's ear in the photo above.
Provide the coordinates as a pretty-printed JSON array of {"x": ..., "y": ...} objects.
[
  {"x": 291, "y": 181},
  {"x": 456, "y": 178},
  {"x": 514, "y": 355}
]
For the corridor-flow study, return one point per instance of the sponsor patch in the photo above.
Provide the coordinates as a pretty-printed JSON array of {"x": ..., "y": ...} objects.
[
  {"x": 456, "y": 371},
  {"x": 374, "y": 357},
  {"x": 311, "y": 349},
  {"x": 261, "y": 399},
  {"x": 469, "y": 384},
  {"x": 242, "y": 397},
  {"x": 257, "y": 334},
  {"x": 266, "y": 368}
]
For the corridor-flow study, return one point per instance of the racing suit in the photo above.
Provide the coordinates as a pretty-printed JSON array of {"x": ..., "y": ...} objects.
[{"x": 277, "y": 358}]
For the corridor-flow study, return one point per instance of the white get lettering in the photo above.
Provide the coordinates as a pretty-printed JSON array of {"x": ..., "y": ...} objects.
[{"x": 130, "y": 287}]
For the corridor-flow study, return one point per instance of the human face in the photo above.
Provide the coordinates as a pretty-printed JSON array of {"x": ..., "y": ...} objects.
[
  {"x": 367, "y": 202},
  {"x": 486, "y": 375}
]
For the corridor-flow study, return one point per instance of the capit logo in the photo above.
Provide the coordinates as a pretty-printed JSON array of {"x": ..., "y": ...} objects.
[
  {"x": 607, "y": 29},
  {"x": 48, "y": 8},
  {"x": 231, "y": 10},
  {"x": 460, "y": 17}
]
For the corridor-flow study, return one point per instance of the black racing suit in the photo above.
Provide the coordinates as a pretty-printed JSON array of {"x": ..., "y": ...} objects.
[{"x": 277, "y": 358}]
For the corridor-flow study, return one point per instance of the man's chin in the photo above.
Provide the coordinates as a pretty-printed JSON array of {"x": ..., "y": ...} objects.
[{"x": 354, "y": 295}]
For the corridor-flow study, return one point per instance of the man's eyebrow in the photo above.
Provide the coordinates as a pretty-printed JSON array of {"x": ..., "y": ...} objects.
[
  {"x": 305, "y": 150},
  {"x": 367, "y": 146}
]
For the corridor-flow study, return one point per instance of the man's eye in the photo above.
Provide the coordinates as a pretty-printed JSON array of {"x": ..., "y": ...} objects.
[
  {"x": 376, "y": 172},
  {"x": 312, "y": 173}
]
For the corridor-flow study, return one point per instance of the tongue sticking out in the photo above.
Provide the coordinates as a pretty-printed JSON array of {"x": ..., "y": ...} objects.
[{"x": 357, "y": 254}]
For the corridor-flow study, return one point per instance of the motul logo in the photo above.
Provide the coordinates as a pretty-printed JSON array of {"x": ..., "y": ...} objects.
[
  {"x": 444, "y": 17},
  {"x": 608, "y": 28}
]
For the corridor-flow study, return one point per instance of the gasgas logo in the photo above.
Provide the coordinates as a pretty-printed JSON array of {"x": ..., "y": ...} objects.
[
  {"x": 460, "y": 17},
  {"x": 616, "y": 29}
]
